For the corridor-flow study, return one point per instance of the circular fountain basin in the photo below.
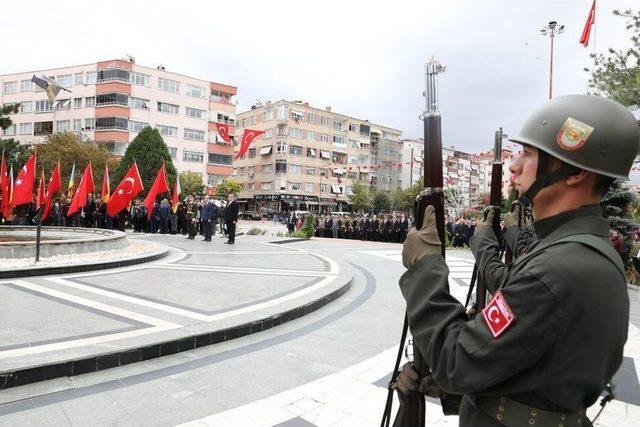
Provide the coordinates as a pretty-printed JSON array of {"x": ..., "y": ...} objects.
[{"x": 20, "y": 241}]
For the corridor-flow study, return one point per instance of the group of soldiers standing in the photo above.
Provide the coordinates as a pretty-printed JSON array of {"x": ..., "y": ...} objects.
[{"x": 379, "y": 228}]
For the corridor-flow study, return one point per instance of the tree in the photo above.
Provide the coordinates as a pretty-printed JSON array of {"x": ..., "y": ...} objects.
[
  {"x": 617, "y": 75},
  {"x": 360, "y": 199},
  {"x": 5, "y": 120},
  {"x": 67, "y": 148},
  {"x": 16, "y": 154},
  {"x": 227, "y": 187},
  {"x": 191, "y": 183},
  {"x": 616, "y": 207},
  {"x": 149, "y": 151},
  {"x": 380, "y": 201},
  {"x": 454, "y": 201}
]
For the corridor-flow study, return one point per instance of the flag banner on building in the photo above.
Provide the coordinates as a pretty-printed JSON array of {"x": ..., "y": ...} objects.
[
  {"x": 175, "y": 198},
  {"x": 40, "y": 196},
  {"x": 248, "y": 135},
  {"x": 128, "y": 188},
  {"x": 49, "y": 85},
  {"x": 223, "y": 130},
  {"x": 159, "y": 186},
  {"x": 106, "y": 193},
  {"x": 23, "y": 185},
  {"x": 84, "y": 188},
  {"x": 4, "y": 187},
  {"x": 52, "y": 188},
  {"x": 591, "y": 20},
  {"x": 70, "y": 187}
]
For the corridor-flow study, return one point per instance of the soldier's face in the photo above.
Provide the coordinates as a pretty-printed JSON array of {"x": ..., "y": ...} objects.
[{"x": 524, "y": 168}]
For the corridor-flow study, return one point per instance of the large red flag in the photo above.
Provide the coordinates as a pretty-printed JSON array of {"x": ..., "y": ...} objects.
[
  {"x": 6, "y": 208},
  {"x": 52, "y": 188},
  {"x": 23, "y": 185},
  {"x": 248, "y": 135},
  {"x": 128, "y": 188},
  {"x": 84, "y": 188},
  {"x": 223, "y": 130},
  {"x": 591, "y": 19},
  {"x": 160, "y": 185},
  {"x": 106, "y": 193},
  {"x": 4, "y": 184},
  {"x": 40, "y": 197}
]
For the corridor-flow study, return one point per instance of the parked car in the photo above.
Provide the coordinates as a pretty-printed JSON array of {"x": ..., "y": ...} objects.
[{"x": 250, "y": 215}]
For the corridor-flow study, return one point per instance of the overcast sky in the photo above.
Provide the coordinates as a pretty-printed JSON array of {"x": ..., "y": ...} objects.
[{"x": 364, "y": 58}]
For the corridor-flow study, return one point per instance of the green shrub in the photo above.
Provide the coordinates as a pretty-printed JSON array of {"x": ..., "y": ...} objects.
[{"x": 256, "y": 232}]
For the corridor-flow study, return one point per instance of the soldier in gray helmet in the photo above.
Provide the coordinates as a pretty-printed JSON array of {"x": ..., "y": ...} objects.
[{"x": 551, "y": 338}]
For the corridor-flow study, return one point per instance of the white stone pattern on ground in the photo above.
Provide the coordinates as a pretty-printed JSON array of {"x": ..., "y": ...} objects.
[{"x": 135, "y": 248}]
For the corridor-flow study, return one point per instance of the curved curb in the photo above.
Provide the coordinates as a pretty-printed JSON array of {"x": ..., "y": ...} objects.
[
  {"x": 139, "y": 354},
  {"x": 31, "y": 271}
]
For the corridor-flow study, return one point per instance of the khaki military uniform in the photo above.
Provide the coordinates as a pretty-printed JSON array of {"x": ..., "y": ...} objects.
[{"x": 570, "y": 313}]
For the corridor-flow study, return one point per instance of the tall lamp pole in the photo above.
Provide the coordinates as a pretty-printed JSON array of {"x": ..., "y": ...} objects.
[{"x": 551, "y": 29}]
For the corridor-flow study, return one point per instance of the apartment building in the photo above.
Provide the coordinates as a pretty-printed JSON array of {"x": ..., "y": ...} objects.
[
  {"x": 308, "y": 158},
  {"x": 413, "y": 166},
  {"x": 111, "y": 101}
]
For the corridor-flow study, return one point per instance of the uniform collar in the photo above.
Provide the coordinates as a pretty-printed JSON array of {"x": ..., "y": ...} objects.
[{"x": 586, "y": 219}]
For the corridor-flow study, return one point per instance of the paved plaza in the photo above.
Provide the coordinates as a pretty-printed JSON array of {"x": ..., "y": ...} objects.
[{"x": 267, "y": 332}]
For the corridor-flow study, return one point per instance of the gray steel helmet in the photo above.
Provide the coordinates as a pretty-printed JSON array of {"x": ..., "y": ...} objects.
[{"x": 588, "y": 132}]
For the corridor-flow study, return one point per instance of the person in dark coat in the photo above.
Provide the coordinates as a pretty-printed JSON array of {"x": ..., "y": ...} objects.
[
  {"x": 165, "y": 208},
  {"x": 206, "y": 218},
  {"x": 89, "y": 211},
  {"x": 231, "y": 218}
]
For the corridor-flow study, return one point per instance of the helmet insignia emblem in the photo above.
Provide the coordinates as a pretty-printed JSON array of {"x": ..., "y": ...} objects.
[{"x": 573, "y": 134}]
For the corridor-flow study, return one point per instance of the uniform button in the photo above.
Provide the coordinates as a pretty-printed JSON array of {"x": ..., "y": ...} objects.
[
  {"x": 563, "y": 416},
  {"x": 499, "y": 417},
  {"x": 532, "y": 421},
  {"x": 501, "y": 408},
  {"x": 560, "y": 425},
  {"x": 503, "y": 400},
  {"x": 534, "y": 412}
]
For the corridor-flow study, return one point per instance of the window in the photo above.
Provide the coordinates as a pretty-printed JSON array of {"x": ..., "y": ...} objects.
[
  {"x": 105, "y": 123},
  {"x": 135, "y": 126},
  {"x": 325, "y": 121},
  {"x": 266, "y": 185},
  {"x": 354, "y": 143},
  {"x": 281, "y": 166},
  {"x": 249, "y": 185},
  {"x": 10, "y": 131},
  {"x": 267, "y": 115},
  {"x": 337, "y": 157},
  {"x": 311, "y": 117},
  {"x": 112, "y": 74},
  {"x": 77, "y": 102},
  {"x": 311, "y": 152},
  {"x": 63, "y": 104},
  {"x": 195, "y": 91},
  {"x": 167, "y": 130},
  {"x": 252, "y": 152},
  {"x": 168, "y": 85},
  {"x": 142, "y": 104},
  {"x": 62, "y": 126},
  {"x": 323, "y": 188},
  {"x": 311, "y": 136},
  {"x": 352, "y": 175},
  {"x": 241, "y": 171},
  {"x": 296, "y": 150},
  {"x": 26, "y": 107},
  {"x": 298, "y": 116},
  {"x": 26, "y": 128},
  {"x": 139, "y": 79},
  {"x": 90, "y": 101},
  {"x": 223, "y": 118},
  {"x": 91, "y": 77},
  {"x": 193, "y": 134},
  {"x": 296, "y": 133},
  {"x": 77, "y": 125},
  {"x": 353, "y": 127},
  {"x": 282, "y": 112},
  {"x": 26, "y": 86},
  {"x": 311, "y": 171},
  {"x": 220, "y": 159},
  {"x": 265, "y": 150},
  {"x": 43, "y": 128},
  {"x": 281, "y": 147},
  {"x": 9, "y": 87},
  {"x": 268, "y": 134},
  {"x": 43, "y": 106},
  {"x": 194, "y": 112},
  {"x": 89, "y": 124},
  {"x": 266, "y": 168},
  {"x": 112, "y": 99},
  {"x": 168, "y": 108},
  {"x": 325, "y": 154},
  {"x": 78, "y": 78},
  {"x": 297, "y": 169},
  {"x": 337, "y": 125},
  {"x": 339, "y": 139},
  {"x": 353, "y": 160},
  {"x": 251, "y": 170},
  {"x": 173, "y": 152},
  {"x": 252, "y": 120},
  {"x": 214, "y": 180},
  {"x": 192, "y": 156},
  {"x": 294, "y": 186},
  {"x": 308, "y": 187},
  {"x": 324, "y": 137}
]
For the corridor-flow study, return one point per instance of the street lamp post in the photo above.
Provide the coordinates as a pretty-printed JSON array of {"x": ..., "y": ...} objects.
[{"x": 551, "y": 29}]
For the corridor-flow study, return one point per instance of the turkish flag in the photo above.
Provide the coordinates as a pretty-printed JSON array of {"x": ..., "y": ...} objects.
[
  {"x": 591, "y": 19},
  {"x": 159, "y": 186},
  {"x": 54, "y": 185},
  {"x": 248, "y": 135},
  {"x": 128, "y": 188},
  {"x": 223, "y": 130},
  {"x": 40, "y": 196},
  {"x": 23, "y": 185},
  {"x": 84, "y": 188},
  {"x": 498, "y": 315}
]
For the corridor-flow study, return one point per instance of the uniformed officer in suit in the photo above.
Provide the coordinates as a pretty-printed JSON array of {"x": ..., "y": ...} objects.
[
  {"x": 231, "y": 218},
  {"x": 552, "y": 336}
]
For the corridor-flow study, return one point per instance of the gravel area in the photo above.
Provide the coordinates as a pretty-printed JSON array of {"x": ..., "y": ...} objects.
[{"x": 135, "y": 248}]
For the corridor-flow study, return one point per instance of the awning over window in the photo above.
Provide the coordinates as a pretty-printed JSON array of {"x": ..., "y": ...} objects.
[
  {"x": 338, "y": 171},
  {"x": 335, "y": 189},
  {"x": 325, "y": 154},
  {"x": 312, "y": 152},
  {"x": 417, "y": 159},
  {"x": 266, "y": 150}
]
